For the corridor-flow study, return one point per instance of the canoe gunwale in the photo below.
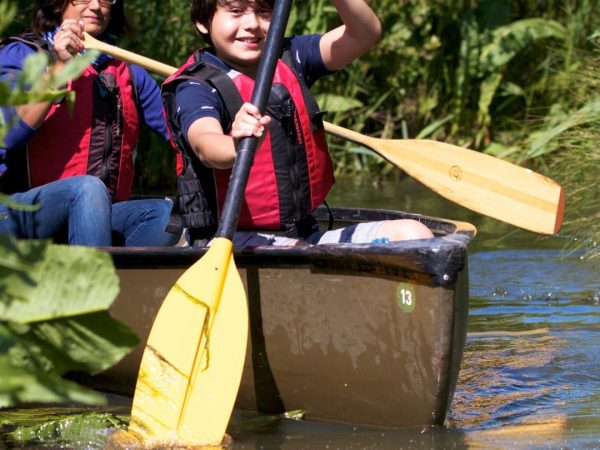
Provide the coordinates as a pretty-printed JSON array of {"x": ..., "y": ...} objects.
[{"x": 441, "y": 258}]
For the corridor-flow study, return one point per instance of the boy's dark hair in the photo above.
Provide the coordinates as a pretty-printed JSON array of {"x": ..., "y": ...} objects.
[
  {"x": 202, "y": 11},
  {"x": 48, "y": 14}
]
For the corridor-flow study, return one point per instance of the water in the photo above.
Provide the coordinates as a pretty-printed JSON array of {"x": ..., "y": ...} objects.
[{"x": 531, "y": 370}]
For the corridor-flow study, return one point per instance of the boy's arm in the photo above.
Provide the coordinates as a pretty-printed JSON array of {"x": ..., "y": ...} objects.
[
  {"x": 361, "y": 29},
  {"x": 213, "y": 147},
  {"x": 216, "y": 149}
]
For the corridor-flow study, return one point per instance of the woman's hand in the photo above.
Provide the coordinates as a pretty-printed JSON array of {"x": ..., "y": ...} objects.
[{"x": 67, "y": 40}]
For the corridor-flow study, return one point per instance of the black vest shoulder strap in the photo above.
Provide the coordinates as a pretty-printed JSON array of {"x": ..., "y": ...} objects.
[
  {"x": 231, "y": 96},
  {"x": 221, "y": 81},
  {"x": 309, "y": 98}
]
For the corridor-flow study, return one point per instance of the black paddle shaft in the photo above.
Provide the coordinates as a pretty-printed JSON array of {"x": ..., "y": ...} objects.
[{"x": 260, "y": 97}]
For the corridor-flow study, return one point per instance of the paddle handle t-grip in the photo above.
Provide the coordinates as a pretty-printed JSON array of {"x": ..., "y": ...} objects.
[{"x": 260, "y": 97}]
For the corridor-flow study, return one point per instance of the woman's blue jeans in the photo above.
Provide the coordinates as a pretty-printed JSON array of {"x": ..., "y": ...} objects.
[{"x": 81, "y": 207}]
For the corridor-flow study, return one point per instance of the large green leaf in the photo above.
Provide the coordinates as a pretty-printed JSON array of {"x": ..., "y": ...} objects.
[
  {"x": 19, "y": 385},
  {"x": 88, "y": 343},
  {"x": 26, "y": 377},
  {"x": 74, "y": 430},
  {"x": 68, "y": 281},
  {"x": 54, "y": 320},
  {"x": 17, "y": 258}
]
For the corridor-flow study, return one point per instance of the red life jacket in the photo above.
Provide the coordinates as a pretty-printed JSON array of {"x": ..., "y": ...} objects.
[
  {"x": 97, "y": 137},
  {"x": 292, "y": 171}
]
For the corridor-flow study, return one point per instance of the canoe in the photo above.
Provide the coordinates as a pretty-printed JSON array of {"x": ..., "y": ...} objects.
[{"x": 367, "y": 334}]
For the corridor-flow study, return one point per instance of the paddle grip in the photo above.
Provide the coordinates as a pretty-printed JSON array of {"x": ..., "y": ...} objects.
[{"x": 260, "y": 96}]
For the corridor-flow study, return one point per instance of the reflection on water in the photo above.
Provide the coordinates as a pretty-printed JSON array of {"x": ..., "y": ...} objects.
[
  {"x": 532, "y": 362},
  {"x": 531, "y": 370}
]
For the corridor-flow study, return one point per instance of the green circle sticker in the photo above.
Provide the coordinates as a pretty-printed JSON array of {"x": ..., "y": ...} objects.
[{"x": 405, "y": 296}]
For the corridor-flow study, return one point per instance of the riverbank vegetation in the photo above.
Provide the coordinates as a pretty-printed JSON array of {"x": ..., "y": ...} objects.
[{"x": 488, "y": 74}]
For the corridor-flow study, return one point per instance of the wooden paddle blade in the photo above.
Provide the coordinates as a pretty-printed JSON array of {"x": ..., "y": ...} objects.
[
  {"x": 480, "y": 182},
  {"x": 192, "y": 364}
]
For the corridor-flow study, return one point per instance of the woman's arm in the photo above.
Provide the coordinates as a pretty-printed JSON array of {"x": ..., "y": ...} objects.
[
  {"x": 67, "y": 43},
  {"x": 150, "y": 103},
  {"x": 11, "y": 66},
  {"x": 361, "y": 29}
]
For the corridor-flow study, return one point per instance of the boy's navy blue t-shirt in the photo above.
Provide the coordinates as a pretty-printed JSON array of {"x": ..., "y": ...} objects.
[{"x": 196, "y": 100}]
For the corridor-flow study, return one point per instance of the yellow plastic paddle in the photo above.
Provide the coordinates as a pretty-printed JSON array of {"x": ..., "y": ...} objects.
[
  {"x": 193, "y": 361},
  {"x": 480, "y": 182}
]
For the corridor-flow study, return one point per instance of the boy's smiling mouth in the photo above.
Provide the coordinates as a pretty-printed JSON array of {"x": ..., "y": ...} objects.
[{"x": 249, "y": 40}]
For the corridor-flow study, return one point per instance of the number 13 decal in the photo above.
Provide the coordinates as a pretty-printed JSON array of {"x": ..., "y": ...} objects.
[{"x": 405, "y": 297}]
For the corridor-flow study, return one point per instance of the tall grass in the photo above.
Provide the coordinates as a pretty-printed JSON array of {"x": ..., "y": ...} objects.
[{"x": 570, "y": 142}]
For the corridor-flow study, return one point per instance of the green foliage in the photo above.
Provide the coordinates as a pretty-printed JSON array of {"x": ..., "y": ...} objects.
[
  {"x": 54, "y": 320},
  {"x": 568, "y": 137},
  {"x": 76, "y": 428}
]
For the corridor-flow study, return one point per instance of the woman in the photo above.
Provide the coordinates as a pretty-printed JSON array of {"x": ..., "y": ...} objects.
[{"x": 56, "y": 156}]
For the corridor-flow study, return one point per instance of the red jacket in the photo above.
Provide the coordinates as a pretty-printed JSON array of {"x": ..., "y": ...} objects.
[{"x": 97, "y": 137}]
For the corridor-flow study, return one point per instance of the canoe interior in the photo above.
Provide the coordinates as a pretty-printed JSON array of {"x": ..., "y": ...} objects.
[{"x": 354, "y": 333}]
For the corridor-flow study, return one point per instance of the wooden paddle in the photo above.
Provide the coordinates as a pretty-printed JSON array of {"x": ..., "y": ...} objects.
[
  {"x": 480, "y": 182},
  {"x": 472, "y": 179},
  {"x": 193, "y": 360}
]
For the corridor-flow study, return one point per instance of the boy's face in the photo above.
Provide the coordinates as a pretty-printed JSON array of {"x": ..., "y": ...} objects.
[{"x": 238, "y": 31}]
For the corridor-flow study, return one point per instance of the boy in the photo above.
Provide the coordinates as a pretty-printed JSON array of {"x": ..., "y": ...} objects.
[{"x": 208, "y": 110}]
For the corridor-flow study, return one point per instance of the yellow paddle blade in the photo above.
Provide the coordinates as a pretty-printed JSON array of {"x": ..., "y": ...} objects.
[{"x": 192, "y": 364}]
